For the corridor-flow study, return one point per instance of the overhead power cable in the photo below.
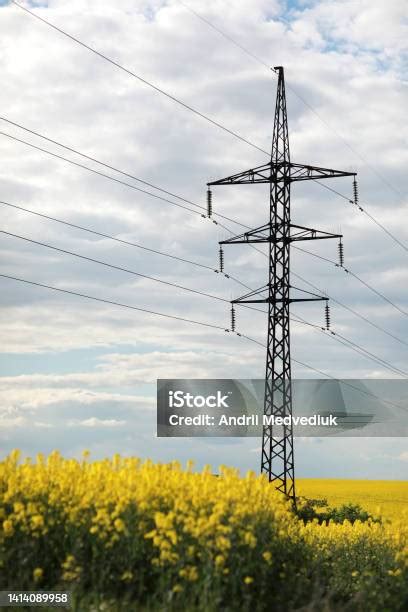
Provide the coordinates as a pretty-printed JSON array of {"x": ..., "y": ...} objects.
[
  {"x": 353, "y": 346},
  {"x": 127, "y": 270},
  {"x": 106, "y": 165},
  {"x": 181, "y": 198},
  {"x": 184, "y": 319},
  {"x": 138, "y": 77},
  {"x": 360, "y": 280},
  {"x": 364, "y": 211},
  {"x": 107, "y": 176},
  {"x": 80, "y": 165},
  {"x": 169, "y": 193},
  {"x": 225, "y": 35},
  {"x": 113, "y": 303},
  {"x": 149, "y": 184},
  {"x": 155, "y": 187},
  {"x": 342, "y": 381},
  {"x": 114, "y": 267},
  {"x": 298, "y": 95},
  {"x": 178, "y": 258},
  {"x": 233, "y": 278},
  {"x": 352, "y": 310},
  {"x": 108, "y": 236},
  {"x": 125, "y": 242}
]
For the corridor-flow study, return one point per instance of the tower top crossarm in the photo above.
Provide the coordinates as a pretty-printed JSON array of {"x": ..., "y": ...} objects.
[{"x": 272, "y": 173}]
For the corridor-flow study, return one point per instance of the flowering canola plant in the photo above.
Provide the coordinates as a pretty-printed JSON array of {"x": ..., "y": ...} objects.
[{"x": 160, "y": 535}]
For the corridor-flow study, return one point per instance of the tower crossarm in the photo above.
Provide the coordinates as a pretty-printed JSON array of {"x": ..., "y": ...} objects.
[
  {"x": 279, "y": 172},
  {"x": 260, "y": 174},
  {"x": 304, "y": 172},
  {"x": 266, "y": 233},
  {"x": 258, "y": 297},
  {"x": 298, "y": 232}
]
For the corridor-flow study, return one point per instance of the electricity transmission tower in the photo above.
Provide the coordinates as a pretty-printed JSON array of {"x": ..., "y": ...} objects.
[{"x": 279, "y": 232}]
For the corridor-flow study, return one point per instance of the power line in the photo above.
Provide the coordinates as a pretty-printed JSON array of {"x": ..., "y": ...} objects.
[
  {"x": 298, "y": 95},
  {"x": 108, "y": 236},
  {"x": 208, "y": 267},
  {"x": 229, "y": 38},
  {"x": 361, "y": 209},
  {"x": 111, "y": 302},
  {"x": 354, "y": 346},
  {"x": 181, "y": 198},
  {"x": 114, "y": 267},
  {"x": 355, "y": 312},
  {"x": 188, "y": 107},
  {"x": 344, "y": 382},
  {"x": 106, "y": 176},
  {"x": 174, "y": 317},
  {"x": 348, "y": 271},
  {"x": 126, "y": 270},
  {"x": 155, "y": 196},
  {"x": 139, "y": 78},
  {"x": 111, "y": 178},
  {"x": 165, "y": 191},
  {"x": 188, "y": 289},
  {"x": 125, "y": 242},
  {"x": 105, "y": 165},
  {"x": 182, "y": 287}
]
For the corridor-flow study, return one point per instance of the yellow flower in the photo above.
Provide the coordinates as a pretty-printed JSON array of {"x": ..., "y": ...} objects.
[
  {"x": 38, "y": 574},
  {"x": 250, "y": 539},
  {"x": 37, "y": 521},
  {"x": 267, "y": 556},
  {"x": 396, "y": 572},
  {"x": 126, "y": 576},
  {"x": 8, "y": 527},
  {"x": 248, "y": 580},
  {"x": 177, "y": 588},
  {"x": 189, "y": 573},
  {"x": 119, "y": 525}
]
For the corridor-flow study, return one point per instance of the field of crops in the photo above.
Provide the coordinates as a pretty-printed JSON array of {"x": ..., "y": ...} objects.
[
  {"x": 123, "y": 534},
  {"x": 387, "y": 498}
]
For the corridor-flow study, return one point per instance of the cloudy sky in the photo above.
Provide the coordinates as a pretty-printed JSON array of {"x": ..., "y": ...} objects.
[{"x": 80, "y": 374}]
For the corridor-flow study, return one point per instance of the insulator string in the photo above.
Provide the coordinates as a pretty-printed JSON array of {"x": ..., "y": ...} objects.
[
  {"x": 221, "y": 260},
  {"x": 209, "y": 203},
  {"x": 233, "y": 319},
  {"x": 341, "y": 254},
  {"x": 327, "y": 315}
]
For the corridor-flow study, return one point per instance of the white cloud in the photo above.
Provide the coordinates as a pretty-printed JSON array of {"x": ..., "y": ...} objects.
[
  {"x": 95, "y": 422},
  {"x": 343, "y": 58},
  {"x": 403, "y": 456}
]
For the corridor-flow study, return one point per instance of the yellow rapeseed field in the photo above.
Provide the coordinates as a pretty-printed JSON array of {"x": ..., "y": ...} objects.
[
  {"x": 128, "y": 534},
  {"x": 387, "y": 498}
]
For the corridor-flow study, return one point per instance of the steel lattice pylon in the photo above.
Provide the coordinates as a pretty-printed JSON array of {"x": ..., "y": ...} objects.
[{"x": 277, "y": 442}]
